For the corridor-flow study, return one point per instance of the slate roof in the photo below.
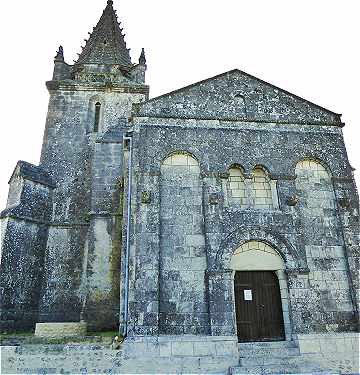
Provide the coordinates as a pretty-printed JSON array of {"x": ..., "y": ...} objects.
[
  {"x": 32, "y": 172},
  {"x": 106, "y": 44}
]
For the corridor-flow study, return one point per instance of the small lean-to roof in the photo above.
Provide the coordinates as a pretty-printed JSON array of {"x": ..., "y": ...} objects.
[
  {"x": 236, "y": 95},
  {"x": 32, "y": 172}
]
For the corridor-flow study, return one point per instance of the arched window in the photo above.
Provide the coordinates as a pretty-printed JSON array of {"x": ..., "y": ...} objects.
[
  {"x": 97, "y": 117},
  {"x": 262, "y": 190},
  {"x": 314, "y": 184},
  {"x": 183, "y": 162},
  {"x": 236, "y": 187}
]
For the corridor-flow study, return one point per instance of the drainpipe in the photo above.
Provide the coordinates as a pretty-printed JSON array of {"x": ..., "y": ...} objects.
[{"x": 127, "y": 138}]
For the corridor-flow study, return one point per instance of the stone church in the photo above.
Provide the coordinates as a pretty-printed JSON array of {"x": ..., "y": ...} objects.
[{"x": 224, "y": 212}]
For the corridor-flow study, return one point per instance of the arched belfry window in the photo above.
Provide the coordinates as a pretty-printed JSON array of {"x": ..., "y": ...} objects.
[
  {"x": 257, "y": 191},
  {"x": 97, "y": 117},
  {"x": 262, "y": 189},
  {"x": 236, "y": 187}
]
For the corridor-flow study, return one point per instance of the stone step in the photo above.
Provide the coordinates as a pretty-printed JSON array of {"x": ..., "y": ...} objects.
[
  {"x": 55, "y": 349},
  {"x": 75, "y": 365},
  {"x": 34, "y": 340},
  {"x": 78, "y": 359},
  {"x": 268, "y": 352},
  {"x": 260, "y": 361},
  {"x": 304, "y": 369},
  {"x": 268, "y": 349},
  {"x": 266, "y": 344}
]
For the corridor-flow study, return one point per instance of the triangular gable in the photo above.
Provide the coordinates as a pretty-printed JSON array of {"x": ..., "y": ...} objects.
[{"x": 236, "y": 95}]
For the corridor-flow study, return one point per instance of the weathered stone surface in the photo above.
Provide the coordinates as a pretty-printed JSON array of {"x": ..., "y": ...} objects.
[
  {"x": 196, "y": 355},
  {"x": 214, "y": 166},
  {"x": 56, "y": 330},
  {"x": 236, "y": 95}
]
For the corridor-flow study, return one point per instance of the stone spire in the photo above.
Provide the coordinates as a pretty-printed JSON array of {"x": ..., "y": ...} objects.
[{"x": 106, "y": 44}]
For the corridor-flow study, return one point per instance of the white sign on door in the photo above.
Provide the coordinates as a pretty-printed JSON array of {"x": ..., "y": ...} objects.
[{"x": 247, "y": 294}]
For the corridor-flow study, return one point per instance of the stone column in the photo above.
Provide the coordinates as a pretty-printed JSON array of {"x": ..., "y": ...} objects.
[
  {"x": 213, "y": 203},
  {"x": 285, "y": 303}
]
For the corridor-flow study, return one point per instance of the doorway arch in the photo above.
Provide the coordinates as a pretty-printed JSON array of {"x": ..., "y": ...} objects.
[{"x": 260, "y": 293}]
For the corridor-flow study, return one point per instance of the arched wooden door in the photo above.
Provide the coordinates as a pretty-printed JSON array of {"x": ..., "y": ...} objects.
[{"x": 259, "y": 314}]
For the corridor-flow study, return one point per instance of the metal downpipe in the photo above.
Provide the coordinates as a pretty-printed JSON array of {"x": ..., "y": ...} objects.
[{"x": 127, "y": 137}]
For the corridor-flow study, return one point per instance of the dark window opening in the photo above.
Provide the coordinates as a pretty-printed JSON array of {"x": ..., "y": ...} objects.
[
  {"x": 97, "y": 117},
  {"x": 126, "y": 144}
]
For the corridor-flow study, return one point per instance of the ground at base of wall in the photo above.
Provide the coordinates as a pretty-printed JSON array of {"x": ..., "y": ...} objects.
[
  {"x": 185, "y": 355},
  {"x": 28, "y": 338}
]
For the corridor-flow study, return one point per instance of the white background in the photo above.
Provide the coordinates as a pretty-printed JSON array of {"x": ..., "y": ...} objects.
[{"x": 308, "y": 47}]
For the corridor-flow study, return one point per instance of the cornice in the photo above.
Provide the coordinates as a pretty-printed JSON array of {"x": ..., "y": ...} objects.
[{"x": 70, "y": 85}]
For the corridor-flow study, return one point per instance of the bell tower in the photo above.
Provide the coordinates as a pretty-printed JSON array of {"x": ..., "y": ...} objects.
[
  {"x": 75, "y": 242},
  {"x": 90, "y": 104}
]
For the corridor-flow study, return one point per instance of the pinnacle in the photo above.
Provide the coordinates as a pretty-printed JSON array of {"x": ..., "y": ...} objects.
[
  {"x": 60, "y": 54},
  {"x": 142, "y": 58}
]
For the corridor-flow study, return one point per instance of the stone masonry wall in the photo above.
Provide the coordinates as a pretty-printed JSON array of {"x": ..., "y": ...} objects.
[
  {"x": 183, "y": 305},
  {"x": 327, "y": 288},
  {"x": 101, "y": 283},
  {"x": 278, "y": 148},
  {"x": 236, "y": 95},
  {"x": 21, "y": 266},
  {"x": 23, "y": 241},
  {"x": 82, "y": 261}
]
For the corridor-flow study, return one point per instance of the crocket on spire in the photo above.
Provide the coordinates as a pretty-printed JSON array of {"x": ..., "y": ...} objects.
[{"x": 106, "y": 44}]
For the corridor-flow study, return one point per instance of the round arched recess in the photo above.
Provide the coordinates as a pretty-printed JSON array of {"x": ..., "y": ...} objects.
[
  {"x": 260, "y": 257},
  {"x": 256, "y": 256}
]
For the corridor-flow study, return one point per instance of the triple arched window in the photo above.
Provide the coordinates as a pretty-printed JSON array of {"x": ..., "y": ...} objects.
[{"x": 257, "y": 191}]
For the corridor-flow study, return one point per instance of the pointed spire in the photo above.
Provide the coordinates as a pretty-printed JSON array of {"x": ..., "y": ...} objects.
[
  {"x": 142, "y": 58},
  {"x": 106, "y": 44},
  {"x": 60, "y": 54}
]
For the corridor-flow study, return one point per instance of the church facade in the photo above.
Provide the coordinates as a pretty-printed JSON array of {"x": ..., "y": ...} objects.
[{"x": 225, "y": 208}]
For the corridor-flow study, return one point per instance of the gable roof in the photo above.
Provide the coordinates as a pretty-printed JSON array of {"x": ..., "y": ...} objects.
[{"x": 237, "y": 95}]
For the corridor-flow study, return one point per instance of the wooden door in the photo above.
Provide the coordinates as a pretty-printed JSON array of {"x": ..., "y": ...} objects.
[{"x": 259, "y": 314}]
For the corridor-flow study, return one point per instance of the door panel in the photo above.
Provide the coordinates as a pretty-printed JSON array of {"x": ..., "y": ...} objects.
[{"x": 259, "y": 315}]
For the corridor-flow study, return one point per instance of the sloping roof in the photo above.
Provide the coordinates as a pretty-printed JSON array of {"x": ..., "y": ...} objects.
[
  {"x": 32, "y": 172},
  {"x": 236, "y": 95},
  {"x": 106, "y": 44}
]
